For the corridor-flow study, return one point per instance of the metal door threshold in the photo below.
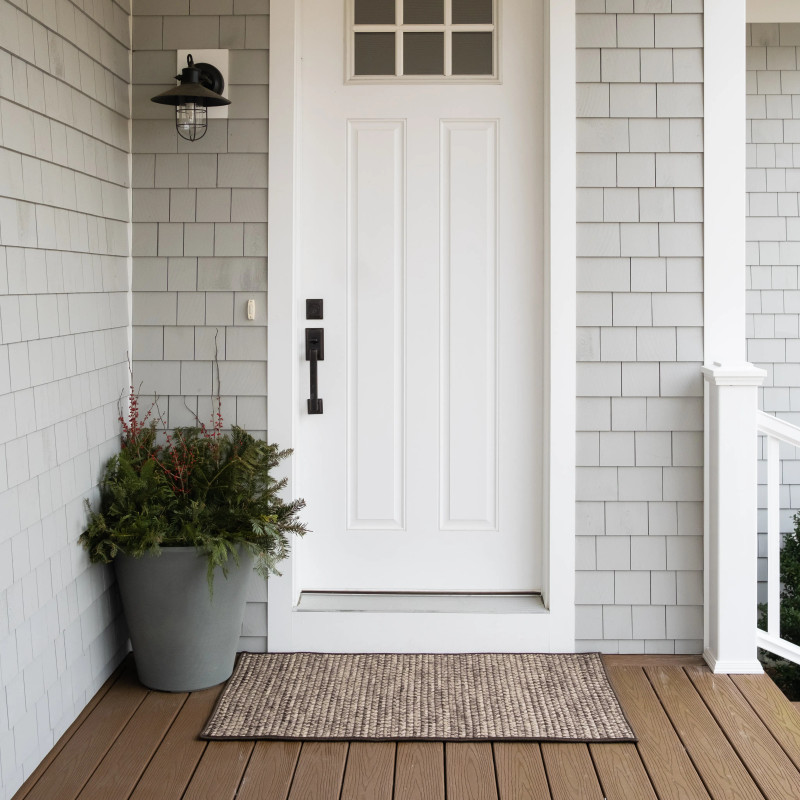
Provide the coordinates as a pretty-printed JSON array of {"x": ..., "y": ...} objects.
[{"x": 413, "y": 602}]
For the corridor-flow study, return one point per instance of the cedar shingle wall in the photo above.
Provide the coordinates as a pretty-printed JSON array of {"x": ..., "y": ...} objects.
[
  {"x": 773, "y": 244},
  {"x": 200, "y": 228},
  {"x": 640, "y": 317},
  {"x": 64, "y": 151}
]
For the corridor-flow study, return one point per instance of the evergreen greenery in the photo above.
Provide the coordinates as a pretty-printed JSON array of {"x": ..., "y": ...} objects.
[
  {"x": 201, "y": 487},
  {"x": 785, "y": 673}
]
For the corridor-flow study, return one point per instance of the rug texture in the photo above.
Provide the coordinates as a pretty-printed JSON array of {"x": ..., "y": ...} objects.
[{"x": 467, "y": 697}]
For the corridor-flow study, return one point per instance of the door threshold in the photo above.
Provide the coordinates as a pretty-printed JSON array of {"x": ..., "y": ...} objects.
[{"x": 422, "y": 603}]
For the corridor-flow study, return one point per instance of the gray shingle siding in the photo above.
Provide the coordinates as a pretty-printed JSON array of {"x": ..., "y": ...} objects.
[
  {"x": 200, "y": 229},
  {"x": 64, "y": 152},
  {"x": 640, "y": 314},
  {"x": 773, "y": 245}
]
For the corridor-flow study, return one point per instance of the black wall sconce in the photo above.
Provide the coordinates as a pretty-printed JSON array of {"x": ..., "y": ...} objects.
[{"x": 201, "y": 86}]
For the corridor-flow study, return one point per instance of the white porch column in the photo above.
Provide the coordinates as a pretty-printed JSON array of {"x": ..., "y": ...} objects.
[{"x": 731, "y": 497}]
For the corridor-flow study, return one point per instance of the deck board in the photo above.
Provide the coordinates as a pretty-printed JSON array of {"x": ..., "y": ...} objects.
[
  {"x": 269, "y": 774},
  {"x": 169, "y": 772},
  {"x": 738, "y": 736},
  {"x": 369, "y": 774},
  {"x": 771, "y": 768},
  {"x": 419, "y": 772},
  {"x": 219, "y": 771},
  {"x": 80, "y": 756},
  {"x": 724, "y": 776},
  {"x": 621, "y": 772},
  {"x": 781, "y": 716},
  {"x": 469, "y": 769},
  {"x": 671, "y": 771},
  {"x": 570, "y": 772},
  {"x": 126, "y": 760},
  {"x": 520, "y": 771},
  {"x": 70, "y": 731},
  {"x": 319, "y": 771}
]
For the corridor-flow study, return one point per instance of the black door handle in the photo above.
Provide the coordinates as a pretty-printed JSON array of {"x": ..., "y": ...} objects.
[{"x": 315, "y": 351}]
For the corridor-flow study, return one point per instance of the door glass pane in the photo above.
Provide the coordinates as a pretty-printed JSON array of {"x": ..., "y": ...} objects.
[
  {"x": 423, "y": 12},
  {"x": 423, "y": 53},
  {"x": 472, "y": 54},
  {"x": 374, "y": 12},
  {"x": 374, "y": 54},
  {"x": 472, "y": 11}
]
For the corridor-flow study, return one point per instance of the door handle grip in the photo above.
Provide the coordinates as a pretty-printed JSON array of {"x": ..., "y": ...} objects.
[{"x": 315, "y": 352}]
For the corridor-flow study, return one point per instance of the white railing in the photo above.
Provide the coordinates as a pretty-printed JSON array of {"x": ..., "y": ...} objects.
[{"x": 775, "y": 431}]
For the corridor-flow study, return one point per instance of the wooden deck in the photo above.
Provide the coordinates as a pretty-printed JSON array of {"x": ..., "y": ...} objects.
[{"x": 701, "y": 736}]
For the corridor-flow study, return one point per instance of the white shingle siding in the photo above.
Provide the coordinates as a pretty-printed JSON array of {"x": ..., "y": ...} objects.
[
  {"x": 63, "y": 340},
  {"x": 640, "y": 312},
  {"x": 773, "y": 251},
  {"x": 200, "y": 230}
]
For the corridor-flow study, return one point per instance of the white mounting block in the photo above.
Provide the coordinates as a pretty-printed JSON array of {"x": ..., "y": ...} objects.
[{"x": 217, "y": 58}]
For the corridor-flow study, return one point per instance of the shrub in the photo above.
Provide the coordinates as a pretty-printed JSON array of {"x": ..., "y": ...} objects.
[
  {"x": 200, "y": 487},
  {"x": 785, "y": 673}
]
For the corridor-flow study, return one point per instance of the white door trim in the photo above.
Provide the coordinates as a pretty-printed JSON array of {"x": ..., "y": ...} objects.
[{"x": 289, "y": 629}]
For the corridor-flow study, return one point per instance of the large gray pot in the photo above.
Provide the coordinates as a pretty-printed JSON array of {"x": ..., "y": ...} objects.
[{"x": 182, "y": 638}]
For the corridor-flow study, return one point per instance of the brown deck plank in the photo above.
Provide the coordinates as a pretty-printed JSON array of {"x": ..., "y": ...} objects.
[
  {"x": 469, "y": 771},
  {"x": 172, "y": 767},
  {"x": 570, "y": 772},
  {"x": 269, "y": 774},
  {"x": 78, "y": 759},
  {"x": 644, "y": 660},
  {"x": 219, "y": 771},
  {"x": 369, "y": 774},
  {"x": 23, "y": 790},
  {"x": 419, "y": 772},
  {"x": 319, "y": 771},
  {"x": 671, "y": 771},
  {"x": 126, "y": 760},
  {"x": 621, "y": 772},
  {"x": 520, "y": 771},
  {"x": 770, "y": 767},
  {"x": 775, "y": 710},
  {"x": 723, "y": 774}
]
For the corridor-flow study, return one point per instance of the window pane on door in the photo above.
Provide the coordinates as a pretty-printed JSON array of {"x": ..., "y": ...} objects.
[
  {"x": 374, "y": 12},
  {"x": 472, "y": 54},
  {"x": 423, "y": 53},
  {"x": 423, "y": 12},
  {"x": 374, "y": 54},
  {"x": 467, "y": 12}
]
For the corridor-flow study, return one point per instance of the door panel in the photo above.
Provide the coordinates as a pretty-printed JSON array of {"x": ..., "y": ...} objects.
[{"x": 420, "y": 221}]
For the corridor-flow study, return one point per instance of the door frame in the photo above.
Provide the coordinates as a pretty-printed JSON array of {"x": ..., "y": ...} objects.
[{"x": 553, "y": 630}]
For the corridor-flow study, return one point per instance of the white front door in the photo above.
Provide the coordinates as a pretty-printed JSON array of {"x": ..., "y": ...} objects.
[{"x": 420, "y": 227}]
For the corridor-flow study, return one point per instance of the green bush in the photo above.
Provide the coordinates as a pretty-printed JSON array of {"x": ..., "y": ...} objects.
[
  {"x": 785, "y": 673},
  {"x": 194, "y": 486}
]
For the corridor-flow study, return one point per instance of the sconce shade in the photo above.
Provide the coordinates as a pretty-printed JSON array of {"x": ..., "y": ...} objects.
[
  {"x": 200, "y": 87},
  {"x": 190, "y": 93}
]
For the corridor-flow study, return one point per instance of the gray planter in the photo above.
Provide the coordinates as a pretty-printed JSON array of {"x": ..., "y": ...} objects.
[{"x": 182, "y": 639}]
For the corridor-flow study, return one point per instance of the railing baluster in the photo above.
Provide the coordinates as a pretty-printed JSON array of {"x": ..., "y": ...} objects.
[
  {"x": 773, "y": 536},
  {"x": 775, "y": 431}
]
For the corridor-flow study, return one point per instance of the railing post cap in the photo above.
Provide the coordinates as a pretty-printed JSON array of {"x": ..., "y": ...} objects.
[{"x": 740, "y": 373}]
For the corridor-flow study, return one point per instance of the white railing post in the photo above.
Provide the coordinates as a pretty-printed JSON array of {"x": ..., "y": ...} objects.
[{"x": 731, "y": 543}]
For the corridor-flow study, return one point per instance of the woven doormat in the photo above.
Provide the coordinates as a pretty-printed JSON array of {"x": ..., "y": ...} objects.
[{"x": 468, "y": 697}]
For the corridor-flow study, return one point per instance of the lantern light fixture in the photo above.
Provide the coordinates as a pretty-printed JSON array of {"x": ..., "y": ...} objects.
[{"x": 201, "y": 86}]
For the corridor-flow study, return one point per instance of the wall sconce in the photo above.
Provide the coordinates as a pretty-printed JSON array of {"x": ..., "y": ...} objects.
[{"x": 201, "y": 86}]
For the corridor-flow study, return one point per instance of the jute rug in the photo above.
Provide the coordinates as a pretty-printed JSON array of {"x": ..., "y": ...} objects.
[{"x": 469, "y": 697}]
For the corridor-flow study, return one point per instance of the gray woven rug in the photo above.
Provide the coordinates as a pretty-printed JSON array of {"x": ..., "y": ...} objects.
[{"x": 469, "y": 697}]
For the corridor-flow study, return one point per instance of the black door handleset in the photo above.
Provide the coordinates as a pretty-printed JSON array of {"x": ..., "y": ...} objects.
[{"x": 315, "y": 352}]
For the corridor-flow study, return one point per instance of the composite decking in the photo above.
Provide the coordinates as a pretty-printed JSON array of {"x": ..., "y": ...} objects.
[{"x": 700, "y": 736}]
